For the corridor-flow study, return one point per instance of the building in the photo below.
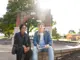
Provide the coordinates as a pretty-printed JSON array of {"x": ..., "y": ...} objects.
[
  {"x": 73, "y": 36},
  {"x": 44, "y": 16}
]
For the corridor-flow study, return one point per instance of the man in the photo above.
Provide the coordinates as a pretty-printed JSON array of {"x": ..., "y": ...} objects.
[
  {"x": 22, "y": 41},
  {"x": 42, "y": 42}
]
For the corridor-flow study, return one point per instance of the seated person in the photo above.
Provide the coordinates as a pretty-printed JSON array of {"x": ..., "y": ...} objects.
[
  {"x": 21, "y": 40},
  {"x": 42, "y": 42}
]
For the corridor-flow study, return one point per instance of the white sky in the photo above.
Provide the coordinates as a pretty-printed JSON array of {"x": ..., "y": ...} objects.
[
  {"x": 65, "y": 12},
  {"x": 3, "y": 5},
  {"x": 67, "y": 15}
]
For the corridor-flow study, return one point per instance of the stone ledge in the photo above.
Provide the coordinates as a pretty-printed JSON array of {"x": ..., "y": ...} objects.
[{"x": 42, "y": 56}]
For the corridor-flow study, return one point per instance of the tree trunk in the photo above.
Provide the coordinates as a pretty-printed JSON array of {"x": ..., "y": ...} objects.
[{"x": 8, "y": 35}]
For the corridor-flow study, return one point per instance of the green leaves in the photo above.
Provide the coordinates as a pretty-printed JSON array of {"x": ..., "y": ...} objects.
[
  {"x": 55, "y": 35},
  {"x": 15, "y": 7},
  {"x": 31, "y": 24},
  {"x": 72, "y": 32}
]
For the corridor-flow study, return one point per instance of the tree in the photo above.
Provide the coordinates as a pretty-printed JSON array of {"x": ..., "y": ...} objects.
[
  {"x": 1, "y": 26},
  {"x": 64, "y": 36},
  {"x": 53, "y": 22},
  {"x": 79, "y": 31},
  {"x": 72, "y": 32},
  {"x": 16, "y": 7},
  {"x": 29, "y": 7},
  {"x": 55, "y": 35},
  {"x": 31, "y": 24}
]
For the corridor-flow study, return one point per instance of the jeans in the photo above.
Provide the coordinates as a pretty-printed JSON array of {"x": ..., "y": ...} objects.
[{"x": 49, "y": 50}]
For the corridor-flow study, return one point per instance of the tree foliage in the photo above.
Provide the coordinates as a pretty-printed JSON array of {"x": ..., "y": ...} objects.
[
  {"x": 55, "y": 35},
  {"x": 8, "y": 21},
  {"x": 79, "y": 31},
  {"x": 72, "y": 32}
]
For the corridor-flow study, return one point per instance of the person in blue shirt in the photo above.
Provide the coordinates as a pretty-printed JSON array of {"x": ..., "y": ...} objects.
[{"x": 42, "y": 42}]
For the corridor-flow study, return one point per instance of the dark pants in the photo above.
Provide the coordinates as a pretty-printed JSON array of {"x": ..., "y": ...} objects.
[{"x": 22, "y": 56}]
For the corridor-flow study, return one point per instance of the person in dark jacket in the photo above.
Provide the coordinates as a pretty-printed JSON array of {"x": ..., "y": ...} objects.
[
  {"x": 21, "y": 39},
  {"x": 42, "y": 43}
]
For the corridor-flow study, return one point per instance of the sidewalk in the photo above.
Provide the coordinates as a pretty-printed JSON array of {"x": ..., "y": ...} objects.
[
  {"x": 5, "y": 48},
  {"x": 56, "y": 46},
  {"x": 5, "y": 53}
]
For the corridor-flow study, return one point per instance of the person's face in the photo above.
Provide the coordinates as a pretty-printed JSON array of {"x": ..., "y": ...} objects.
[
  {"x": 23, "y": 29},
  {"x": 41, "y": 28}
]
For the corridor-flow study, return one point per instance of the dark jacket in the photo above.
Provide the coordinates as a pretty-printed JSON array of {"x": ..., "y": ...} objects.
[
  {"x": 20, "y": 41},
  {"x": 47, "y": 38}
]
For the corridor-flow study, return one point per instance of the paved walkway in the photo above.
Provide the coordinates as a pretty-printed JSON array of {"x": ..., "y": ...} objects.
[
  {"x": 56, "y": 45},
  {"x": 5, "y": 50},
  {"x": 7, "y": 56},
  {"x": 65, "y": 46}
]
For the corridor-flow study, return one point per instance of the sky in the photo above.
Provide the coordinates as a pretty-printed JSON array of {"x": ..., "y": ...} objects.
[
  {"x": 65, "y": 12},
  {"x": 3, "y": 5},
  {"x": 67, "y": 15}
]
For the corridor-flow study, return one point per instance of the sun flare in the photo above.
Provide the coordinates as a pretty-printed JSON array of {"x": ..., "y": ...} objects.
[{"x": 45, "y": 4}]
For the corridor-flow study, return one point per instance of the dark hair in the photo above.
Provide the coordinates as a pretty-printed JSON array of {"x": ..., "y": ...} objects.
[{"x": 22, "y": 26}]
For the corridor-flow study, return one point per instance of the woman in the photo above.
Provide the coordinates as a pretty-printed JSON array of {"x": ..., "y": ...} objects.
[{"x": 22, "y": 41}]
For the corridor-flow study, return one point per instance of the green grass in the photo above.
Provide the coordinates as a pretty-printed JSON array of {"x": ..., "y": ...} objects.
[{"x": 1, "y": 37}]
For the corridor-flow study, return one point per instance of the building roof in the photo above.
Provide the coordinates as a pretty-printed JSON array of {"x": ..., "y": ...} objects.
[{"x": 76, "y": 35}]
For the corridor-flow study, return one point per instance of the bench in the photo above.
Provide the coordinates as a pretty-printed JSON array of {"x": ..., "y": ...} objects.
[{"x": 42, "y": 56}]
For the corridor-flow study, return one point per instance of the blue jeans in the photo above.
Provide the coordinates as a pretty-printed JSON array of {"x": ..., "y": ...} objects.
[{"x": 49, "y": 50}]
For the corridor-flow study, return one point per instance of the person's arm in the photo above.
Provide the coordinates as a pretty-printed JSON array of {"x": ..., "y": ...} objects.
[
  {"x": 29, "y": 42},
  {"x": 15, "y": 39},
  {"x": 49, "y": 39},
  {"x": 35, "y": 39},
  {"x": 26, "y": 44}
]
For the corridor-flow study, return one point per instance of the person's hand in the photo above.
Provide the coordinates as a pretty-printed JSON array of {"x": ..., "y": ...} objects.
[
  {"x": 38, "y": 46},
  {"x": 47, "y": 46},
  {"x": 26, "y": 49}
]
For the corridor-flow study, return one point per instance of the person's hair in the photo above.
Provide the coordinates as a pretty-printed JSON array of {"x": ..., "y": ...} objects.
[
  {"x": 41, "y": 24},
  {"x": 22, "y": 26}
]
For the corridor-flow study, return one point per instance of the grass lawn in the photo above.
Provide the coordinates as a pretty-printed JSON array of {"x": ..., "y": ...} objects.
[{"x": 1, "y": 37}]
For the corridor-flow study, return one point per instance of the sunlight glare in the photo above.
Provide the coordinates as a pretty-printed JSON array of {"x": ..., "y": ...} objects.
[{"x": 45, "y": 4}]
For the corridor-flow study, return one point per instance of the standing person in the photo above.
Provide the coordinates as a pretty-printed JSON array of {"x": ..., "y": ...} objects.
[
  {"x": 42, "y": 42},
  {"x": 23, "y": 45}
]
